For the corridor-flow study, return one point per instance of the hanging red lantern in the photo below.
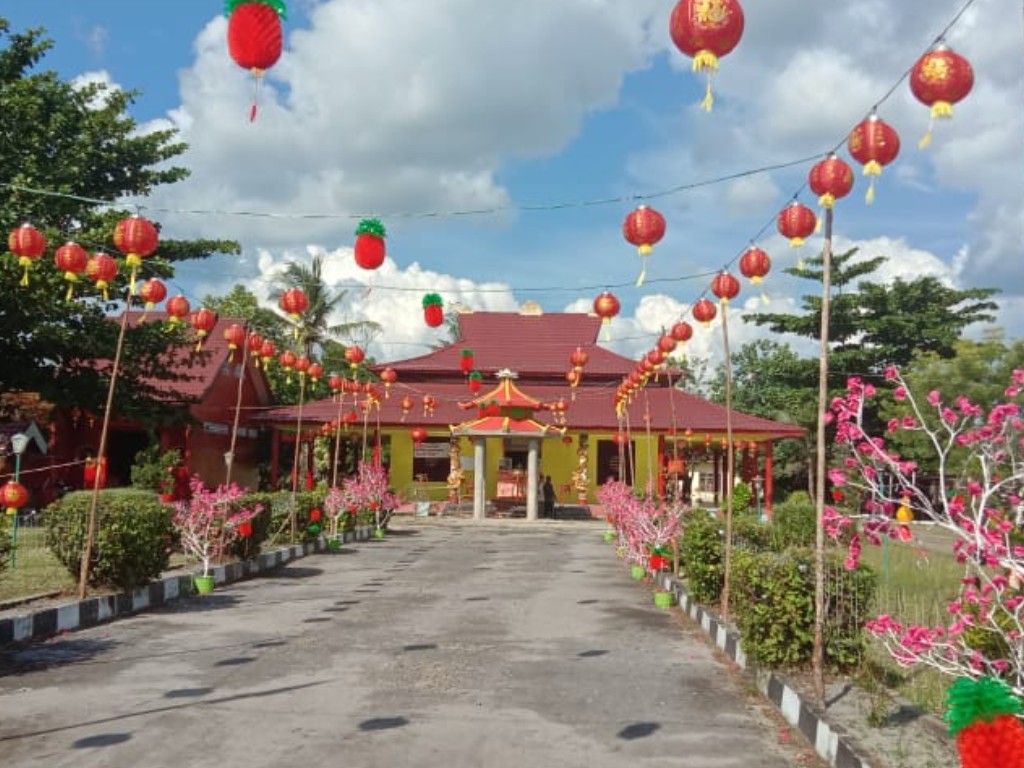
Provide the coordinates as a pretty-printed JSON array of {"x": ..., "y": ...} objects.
[
  {"x": 102, "y": 269},
  {"x": 940, "y": 79},
  {"x": 136, "y": 238},
  {"x": 725, "y": 287},
  {"x": 350, "y": 417},
  {"x": 682, "y": 331},
  {"x": 476, "y": 381},
  {"x": 466, "y": 361},
  {"x": 667, "y": 344},
  {"x": 429, "y": 403},
  {"x": 293, "y": 303},
  {"x": 406, "y": 406},
  {"x": 797, "y": 222},
  {"x": 28, "y": 244},
  {"x": 704, "y": 311},
  {"x": 643, "y": 227},
  {"x": 335, "y": 383},
  {"x": 255, "y": 39},
  {"x": 755, "y": 264},
  {"x": 152, "y": 292},
  {"x": 72, "y": 260},
  {"x": 301, "y": 366},
  {"x": 874, "y": 144},
  {"x": 578, "y": 358},
  {"x": 354, "y": 355},
  {"x": 287, "y": 360},
  {"x": 388, "y": 376},
  {"x": 370, "y": 249},
  {"x": 573, "y": 377},
  {"x": 606, "y": 306},
  {"x": 203, "y": 321},
  {"x": 253, "y": 344},
  {"x": 234, "y": 335},
  {"x": 655, "y": 357},
  {"x": 267, "y": 352},
  {"x": 13, "y": 496},
  {"x": 418, "y": 435},
  {"x": 830, "y": 179},
  {"x": 433, "y": 310},
  {"x": 178, "y": 308},
  {"x": 706, "y": 30}
]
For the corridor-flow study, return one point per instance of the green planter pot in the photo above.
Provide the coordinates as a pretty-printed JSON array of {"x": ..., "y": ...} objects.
[
  {"x": 609, "y": 536},
  {"x": 637, "y": 572},
  {"x": 334, "y": 544},
  {"x": 664, "y": 599},
  {"x": 204, "y": 584},
  {"x": 378, "y": 533}
]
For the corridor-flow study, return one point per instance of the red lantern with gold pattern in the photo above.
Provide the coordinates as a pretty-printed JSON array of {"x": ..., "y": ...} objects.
[
  {"x": 203, "y": 321},
  {"x": 255, "y": 37},
  {"x": 706, "y": 30},
  {"x": 667, "y": 344},
  {"x": 287, "y": 360},
  {"x": 874, "y": 144},
  {"x": 28, "y": 244},
  {"x": 72, "y": 260},
  {"x": 606, "y": 306},
  {"x": 830, "y": 179},
  {"x": 388, "y": 377},
  {"x": 940, "y": 79},
  {"x": 234, "y": 335},
  {"x": 178, "y": 308},
  {"x": 682, "y": 331},
  {"x": 704, "y": 312},
  {"x": 643, "y": 227},
  {"x": 293, "y": 303},
  {"x": 354, "y": 355},
  {"x": 102, "y": 269},
  {"x": 797, "y": 222},
  {"x": 315, "y": 373},
  {"x": 253, "y": 343},
  {"x": 755, "y": 264},
  {"x": 153, "y": 291},
  {"x": 725, "y": 287},
  {"x": 578, "y": 358},
  {"x": 136, "y": 238},
  {"x": 301, "y": 366},
  {"x": 655, "y": 356},
  {"x": 267, "y": 352},
  {"x": 13, "y": 496}
]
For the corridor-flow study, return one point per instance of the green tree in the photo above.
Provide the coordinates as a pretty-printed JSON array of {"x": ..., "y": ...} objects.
[{"x": 243, "y": 303}]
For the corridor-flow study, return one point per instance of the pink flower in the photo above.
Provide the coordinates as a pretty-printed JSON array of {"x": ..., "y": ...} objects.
[
  {"x": 900, "y": 393},
  {"x": 934, "y": 398},
  {"x": 891, "y": 373}
]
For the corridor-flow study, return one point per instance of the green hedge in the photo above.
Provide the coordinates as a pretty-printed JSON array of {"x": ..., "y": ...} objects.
[
  {"x": 5, "y": 540},
  {"x": 133, "y": 541},
  {"x": 273, "y": 520},
  {"x": 794, "y": 522},
  {"x": 702, "y": 550}
]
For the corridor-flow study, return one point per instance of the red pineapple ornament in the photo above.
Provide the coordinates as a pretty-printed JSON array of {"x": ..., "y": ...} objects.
[
  {"x": 704, "y": 312},
  {"x": 136, "y": 238},
  {"x": 706, "y": 30},
  {"x": 255, "y": 38},
  {"x": 433, "y": 310},
  {"x": 466, "y": 361},
  {"x": 643, "y": 227},
  {"x": 370, "y": 249},
  {"x": 178, "y": 308},
  {"x": 153, "y": 291},
  {"x": 940, "y": 79},
  {"x": 28, "y": 244},
  {"x": 72, "y": 260},
  {"x": 797, "y": 222},
  {"x": 725, "y": 287},
  {"x": 755, "y": 264},
  {"x": 830, "y": 179},
  {"x": 102, "y": 269},
  {"x": 873, "y": 143}
]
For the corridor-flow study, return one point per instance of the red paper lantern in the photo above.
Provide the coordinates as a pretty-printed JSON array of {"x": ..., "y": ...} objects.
[
  {"x": 102, "y": 269},
  {"x": 418, "y": 435},
  {"x": 335, "y": 383},
  {"x": 72, "y": 260},
  {"x": 388, "y": 376},
  {"x": 253, "y": 343},
  {"x": 293, "y": 303},
  {"x": 874, "y": 144},
  {"x": 606, "y": 306},
  {"x": 667, "y": 344},
  {"x": 573, "y": 377},
  {"x": 725, "y": 287},
  {"x": 354, "y": 355},
  {"x": 13, "y": 496},
  {"x": 706, "y": 30},
  {"x": 797, "y": 222},
  {"x": 682, "y": 331},
  {"x": 255, "y": 39},
  {"x": 178, "y": 308},
  {"x": 136, "y": 238},
  {"x": 267, "y": 352},
  {"x": 153, "y": 291},
  {"x": 28, "y": 244},
  {"x": 643, "y": 227},
  {"x": 203, "y": 321},
  {"x": 234, "y": 335},
  {"x": 287, "y": 360},
  {"x": 315, "y": 372},
  {"x": 704, "y": 311},
  {"x": 655, "y": 357},
  {"x": 433, "y": 310},
  {"x": 406, "y": 406},
  {"x": 302, "y": 364},
  {"x": 370, "y": 249},
  {"x": 830, "y": 179},
  {"x": 578, "y": 358},
  {"x": 466, "y": 361},
  {"x": 755, "y": 264},
  {"x": 940, "y": 79}
]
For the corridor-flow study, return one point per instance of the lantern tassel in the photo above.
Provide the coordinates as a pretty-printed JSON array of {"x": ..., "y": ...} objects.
[
  {"x": 869, "y": 197},
  {"x": 643, "y": 272},
  {"x": 25, "y": 262},
  {"x": 72, "y": 278},
  {"x": 606, "y": 334},
  {"x": 258, "y": 74},
  {"x": 709, "y": 99}
]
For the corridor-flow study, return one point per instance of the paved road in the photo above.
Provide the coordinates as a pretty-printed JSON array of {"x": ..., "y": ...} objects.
[{"x": 448, "y": 644}]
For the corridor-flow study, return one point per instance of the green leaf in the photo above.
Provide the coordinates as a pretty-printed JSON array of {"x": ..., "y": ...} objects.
[
  {"x": 372, "y": 227},
  {"x": 277, "y": 5}
]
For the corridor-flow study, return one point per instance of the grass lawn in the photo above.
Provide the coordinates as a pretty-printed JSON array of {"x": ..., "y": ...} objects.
[{"x": 36, "y": 570}]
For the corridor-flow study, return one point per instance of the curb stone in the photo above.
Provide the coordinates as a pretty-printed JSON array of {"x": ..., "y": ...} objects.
[
  {"x": 829, "y": 741},
  {"x": 79, "y": 614}
]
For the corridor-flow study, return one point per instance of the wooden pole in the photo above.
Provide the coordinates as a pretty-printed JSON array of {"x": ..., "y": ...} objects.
[
  {"x": 729, "y": 470},
  {"x": 295, "y": 461},
  {"x": 229, "y": 458},
  {"x": 337, "y": 438}
]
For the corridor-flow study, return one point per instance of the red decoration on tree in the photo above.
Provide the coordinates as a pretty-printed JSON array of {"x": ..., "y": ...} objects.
[
  {"x": 466, "y": 361},
  {"x": 136, "y": 238},
  {"x": 873, "y": 143},
  {"x": 830, "y": 179},
  {"x": 255, "y": 38},
  {"x": 940, "y": 79},
  {"x": 28, "y": 244},
  {"x": 370, "y": 249},
  {"x": 755, "y": 264},
  {"x": 704, "y": 311},
  {"x": 178, "y": 308},
  {"x": 643, "y": 227},
  {"x": 204, "y": 321},
  {"x": 418, "y": 435},
  {"x": 101, "y": 268},
  {"x": 797, "y": 222},
  {"x": 433, "y": 310},
  {"x": 682, "y": 331},
  {"x": 267, "y": 352},
  {"x": 725, "y": 287},
  {"x": 234, "y": 335},
  {"x": 72, "y": 260},
  {"x": 301, "y": 366},
  {"x": 153, "y": 291},
  {"x": 706, "y": 30}
]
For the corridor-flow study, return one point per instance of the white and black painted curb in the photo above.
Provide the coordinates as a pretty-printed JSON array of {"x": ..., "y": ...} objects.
[
  {"x": 39, "y": 625},
  {"x": 828, "y": 740}
]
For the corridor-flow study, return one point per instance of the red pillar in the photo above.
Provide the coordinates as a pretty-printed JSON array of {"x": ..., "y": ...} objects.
[{"x": 769, "y": 485}]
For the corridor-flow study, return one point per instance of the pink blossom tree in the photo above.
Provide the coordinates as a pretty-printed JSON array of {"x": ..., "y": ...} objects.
[
  {"x": 210, "y": 521},
  {"x": 979, "y": 455},
  {"x": 644, "y": 525},
  {"x": 368, "y": 490}
]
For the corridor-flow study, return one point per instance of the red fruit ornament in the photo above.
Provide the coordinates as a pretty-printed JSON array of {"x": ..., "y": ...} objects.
[
  {"x": 370, "y": 249},
  {"x": 475, "y": 381},
  {"x": 940, "y": 79},
  {"x": 267, "y": 352},
  {"x": 797, "y": 222},
  {"x": 433, "y": 310},
  {"x": 873, "y": 143},
  {"x": 102, "y": 269},
  {"x": 706, "y": 30},
  {"x": 643, "y": 227},
  {"x": 254, "y": 38},
  {"x": 153, "y": 291},
  {"x": 28, "y": 244},
  {"x": 467, "y": 361},
  {"x": 72, "y": 260},
  {"x": 253, "y": 343},
  {"x": 136, "y": 238},
  {"x": 984, "y": 717}
]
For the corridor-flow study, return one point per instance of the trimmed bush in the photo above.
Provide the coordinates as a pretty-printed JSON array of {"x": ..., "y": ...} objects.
[
  {"x": 773, "y": 604},
  {"x": 133, "y": 536},
  {"x": 702, "y": 550},
  {"x": 794, "y": 522},
  {"x": 5, "y": 543}
]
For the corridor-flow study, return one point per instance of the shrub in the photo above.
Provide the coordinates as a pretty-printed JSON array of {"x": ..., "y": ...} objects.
[
  {"x": 133, "y": 536},
  {"x": 742, "y": 498},
  {"x": 702, "y": 550},
  {"x": 773, "y": 606},
  {"x": 794, "y": 522},
  {"x": 5, "y": 543},
  {"x": 151, "y": 470}
]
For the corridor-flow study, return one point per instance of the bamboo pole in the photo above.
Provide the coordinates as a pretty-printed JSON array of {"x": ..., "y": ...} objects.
[
  {"x": 295, "y": 461},
  {"x": 337, "y": 438},
  {"x": 229, "y": 457},
  {"x": 730, "y": 461}
]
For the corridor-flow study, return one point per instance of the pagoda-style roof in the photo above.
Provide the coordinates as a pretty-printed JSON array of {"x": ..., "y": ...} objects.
[
  {"x": 505, "y": 426},
  {"x": 505, "y": 395},
  {"x": 505, "y": 410}
]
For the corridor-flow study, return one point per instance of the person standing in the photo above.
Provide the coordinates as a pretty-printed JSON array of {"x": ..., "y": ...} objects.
[{"x": 549, "y": 497}]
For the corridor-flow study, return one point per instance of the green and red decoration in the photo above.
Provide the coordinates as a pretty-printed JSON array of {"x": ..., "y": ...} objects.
[
  {"x": 874, "y": 144},
  {"x": 984, "y": 718},
  {"x": 153, "y": 291},
  {"x": 102, "y": 269},
  {"x": 28, "y": 244},
  {"x": 71, "y": 259},
  {"x": 644, "y": 228},
  {"x": 433, "y": 310},
  {"x": 940, "y": 79},
  {"x": 136, "y": 238},
  {"x": 476, "y": 381},
  {"x": 466, "y": 361},
  {"x": 370, "y": 249},
  {"x": 255, "y": 38},
  {"x": 706, "y": 30}
]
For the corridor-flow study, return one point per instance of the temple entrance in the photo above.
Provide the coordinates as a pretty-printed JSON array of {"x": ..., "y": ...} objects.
[{"x": 608, "y": 462}]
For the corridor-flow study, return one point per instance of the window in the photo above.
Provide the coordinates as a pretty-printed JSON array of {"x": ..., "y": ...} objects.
[{"x": 430, "y": 460}]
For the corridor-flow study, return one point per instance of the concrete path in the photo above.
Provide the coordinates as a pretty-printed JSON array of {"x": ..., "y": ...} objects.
[{"x": 449, "y": 644}]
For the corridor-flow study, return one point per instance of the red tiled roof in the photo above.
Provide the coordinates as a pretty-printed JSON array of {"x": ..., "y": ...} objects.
[{"x": 504, "y": 425}]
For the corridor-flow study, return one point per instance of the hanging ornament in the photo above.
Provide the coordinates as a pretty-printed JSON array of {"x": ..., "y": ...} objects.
[
  {"x": 28, "y": 244},
  {"x": 72, "y": 260},
  {"x": 418, "y": 435},
  {"x": 940, "y": 79},
  {"x": 606, "y": 306},
  {"x": 725, "y": 287},
  {"x": 234, "y": 335},
  {"x": 255, "y": 38},
  {"x": 755, "y": 264},
  {"x": 667, "y": 344},
  {"x": 706, "y": 30},
  {"x": 578, "y": 359},
  {"x": 102, "y": 269},
  {"x": 873, "y": 143},
  {"x": 267, "y": 352},
  {"x": 682, "y": 331},
  {"x": 429, "y": 403},
  {"x": 335, "y": 383},
  {"x": 466, "y": 361},
  {"x": 984, "y": 717},
  {"x": 152, "y": 292},
  {"x": 476, "y": 380},
  {"x": 370, "y": 248},
  {"x": 388, "y": 376},
  {"x": 406, "y": 406},
  {"x": 203, "y": 321},
  {"x": 136, "y": 238},
  {"x": 643, "y": 227},
  {"x": 433, "y": 310},
  {"x": 293, "y": 303},
  {"x": 797, "y": 222},
  {"x": 354, "y": 355},
  {"x": 287, "y": 360},
  {"x": 301, "y": 366},
  {"x": 13, "y": 496},
  {"x": 704, "y": 312},
  {"x": 178, "y": 309},
  {"x": 830, "y": 179},
  {"x": 253, "y": 344}
]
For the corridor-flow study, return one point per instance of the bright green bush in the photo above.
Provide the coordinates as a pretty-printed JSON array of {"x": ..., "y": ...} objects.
[
  {"x": 794, "y": 522},
  {"x": 702, "y": 550},
  {"x": 5, "y": 542},
  {"x": 133, "y": 536}
]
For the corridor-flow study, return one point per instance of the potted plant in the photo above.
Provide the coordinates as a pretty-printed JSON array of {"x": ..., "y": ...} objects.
[
  {"x": 368, "y": 490},
  {"x": 209, "y": 522},
  {"x": 334, "y": 505},
  {"x": 664, "y": 598}
]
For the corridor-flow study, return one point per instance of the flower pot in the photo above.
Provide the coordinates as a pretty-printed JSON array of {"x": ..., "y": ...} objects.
[
  {"x": 334, "y": 544},
  {"x": 204, "y": 584},
  {"x": 664, "y": 599},
  {"x": 609, "y": 536},
  {"x": 637, "y": 572},
  {"x": 378, "y": 533},
  {"x": 658, "y": 562}
]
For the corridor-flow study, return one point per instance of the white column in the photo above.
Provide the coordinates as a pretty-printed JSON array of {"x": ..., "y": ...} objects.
[
  {"x": 479, "y": 478},
  {"x": 531, "y": 480}
]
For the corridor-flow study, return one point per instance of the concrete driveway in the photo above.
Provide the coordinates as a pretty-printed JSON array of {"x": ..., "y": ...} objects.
[{"x": 448, "y": 644}]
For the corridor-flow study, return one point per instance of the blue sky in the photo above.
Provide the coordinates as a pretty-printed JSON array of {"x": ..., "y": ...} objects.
[{"x": 413, "y": 108}]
